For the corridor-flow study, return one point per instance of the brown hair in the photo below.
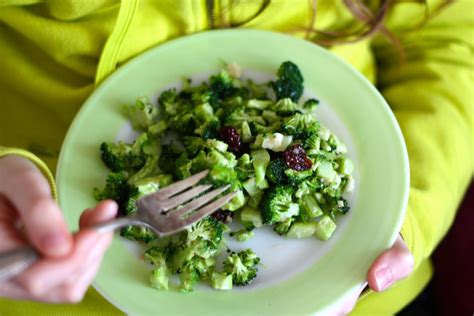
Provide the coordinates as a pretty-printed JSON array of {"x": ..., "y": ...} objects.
[{"x": 372, "y": 17}]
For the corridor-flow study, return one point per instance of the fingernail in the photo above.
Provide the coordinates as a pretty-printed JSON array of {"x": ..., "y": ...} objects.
[
  {"x": 55, "y": 243},
  {"x": 111, "y": 210},
  {"x": 383, "y": 278}
]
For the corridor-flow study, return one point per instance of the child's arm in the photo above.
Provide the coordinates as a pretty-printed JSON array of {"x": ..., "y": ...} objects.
[{"x": 431, "y": 94}]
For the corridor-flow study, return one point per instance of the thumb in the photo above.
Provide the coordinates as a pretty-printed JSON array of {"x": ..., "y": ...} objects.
[
  {"x": 391, "y": 266},
  {"x": 29, "y": 192}
]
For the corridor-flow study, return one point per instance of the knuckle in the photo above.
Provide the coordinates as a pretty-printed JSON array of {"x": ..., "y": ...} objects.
[
  {"x": 74, "y": 294},
  {"x": 409, "y": 261},
  {"x": 33, "y": 287}
]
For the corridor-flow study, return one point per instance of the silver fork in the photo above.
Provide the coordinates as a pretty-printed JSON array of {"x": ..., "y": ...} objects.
[{"x": 163, "y": 211}]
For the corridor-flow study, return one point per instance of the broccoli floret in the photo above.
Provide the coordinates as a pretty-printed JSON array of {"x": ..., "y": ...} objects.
[
  {"x": 260, "y": 161},
  {"x": 312, "y": 145},
  {"x": 221, "y": 175},
  {"x": 208, "y": 230},
  {"x": 289, "y": 83},
  {"x": 152, "y": 184},
  {"x": 243, "y": 266},
  {"x": 300, "y": 125},
  {"x": 201, "y": 95},
  {"x": 192, "y": 257},
  {"x": 193, "y": 144},
  {"x": 138, "y": 233},
  {"x": 208, "y": 129},
  {"x": 184, "y": 116},
  {"x": 295, "y": 177},
  {"x": 257, "y": 91},
  {"x": 160, "y": 275},
  {"x": 309, "y": 185},
  {"x": 121, "y": 156},
  {"x": 259, "y": 128},
  {"x": 169, "y": 154},
  {"x": 217, "y": 145},
  {"x": 271, "y": 117},
  {"x": 276, "y": 205},
  {"x": 150, "y": 168},
  {"x": 208, "y": 124},
  {"x": 221, "y": 84},
  {"x": 276, "y": 171},
  {"x": 310, "y": 105},
  {"x": 207, "y": 159},
  {"x": 285, "y": 107},
  {"x": 142, "y": 114},
  {"x": 281, "y": 228},
  {"x": 182, "y": 167},
  {"x": 194, "y": 270},
  {"x": 238, "y": 114},
  {"x": 342, "y": 206},
  {"x": 204, "y": 267},
  {"x": 244, "y": 168},
  {"x": 188, "y": 278},
  {"x": 117, "y": 188},
  {"x": 168, "y": 100}
]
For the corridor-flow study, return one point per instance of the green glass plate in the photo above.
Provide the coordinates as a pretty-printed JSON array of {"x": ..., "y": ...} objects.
[{"x": 297, "y": 276}]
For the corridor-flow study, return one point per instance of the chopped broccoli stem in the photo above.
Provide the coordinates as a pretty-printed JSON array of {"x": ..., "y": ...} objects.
[
  {"x": 325, "y": 228},
  {"x": 276, "y": 142},
  {"x": 326, "y": 172},
  {"x": 301, "y": 230},
  {"x": 251, "y": 215},
  {"x": 221, "y": 281},
  {"x": 260, "y": 160},
  {"x": 245, "y": 132},
  {"x": 309, "y": 208},
  {"x": 159, "y": 278},
  {"x": 242, "y": 235},
  {"x": 237, "y": 202}
]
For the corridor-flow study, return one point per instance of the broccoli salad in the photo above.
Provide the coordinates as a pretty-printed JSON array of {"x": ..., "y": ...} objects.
[{"x": 289, "y": 171}]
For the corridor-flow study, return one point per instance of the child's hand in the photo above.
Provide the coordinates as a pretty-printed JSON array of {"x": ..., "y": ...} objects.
[
  {"x": 29, "y": 215},
  {"x": 390, "y": 267}
]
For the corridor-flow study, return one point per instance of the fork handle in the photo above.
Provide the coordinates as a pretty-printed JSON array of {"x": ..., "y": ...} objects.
[{"x": 15, "y": 261}]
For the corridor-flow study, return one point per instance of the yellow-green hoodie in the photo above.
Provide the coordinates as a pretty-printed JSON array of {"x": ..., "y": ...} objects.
[{"x": 53, "y": 53}]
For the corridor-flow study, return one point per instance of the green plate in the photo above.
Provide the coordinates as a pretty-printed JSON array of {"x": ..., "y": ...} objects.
[{"x": 297, "y": 276}]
